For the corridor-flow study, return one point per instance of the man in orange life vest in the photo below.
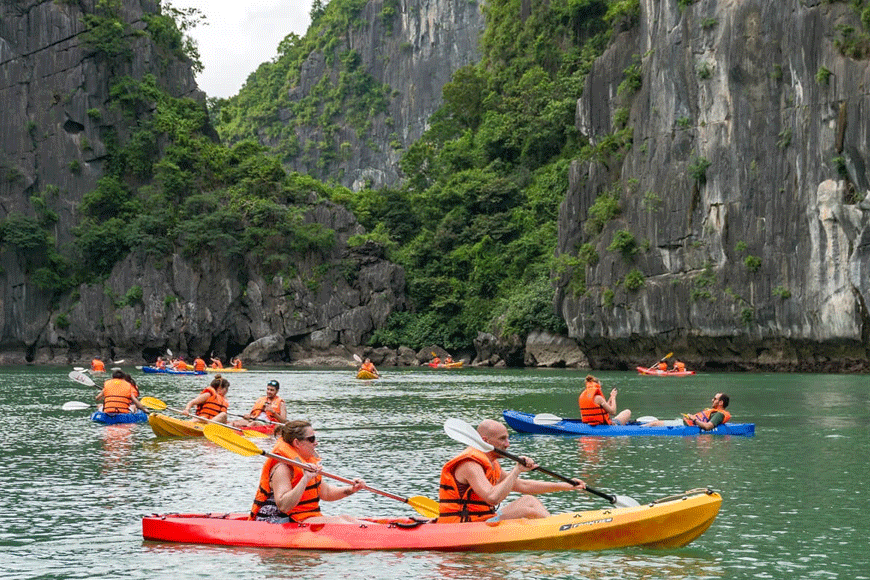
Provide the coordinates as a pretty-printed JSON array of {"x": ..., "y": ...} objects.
[
  {"x": 211, "y": 403},
  {"x": 473, "y": 484},
  {"x": 288, "y": 493},
  {"x": 707, "y": 419},
  {"x": 268, "y": 408},
  {"x": 117, "y": 395},
  {"x": 596, "y": 410},
  {"x": 97, "y": 365}
]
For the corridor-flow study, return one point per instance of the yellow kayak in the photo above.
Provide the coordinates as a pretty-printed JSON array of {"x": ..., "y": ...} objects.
[
  {"x": 366, "y": 375},
  {"x": 226, "y": 370}
]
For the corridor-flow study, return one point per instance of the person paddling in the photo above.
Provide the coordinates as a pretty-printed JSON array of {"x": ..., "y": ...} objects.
[
  {"x": 118, "y": 395},
  {"x": 268, "y": 408},
  {"x": 97, "y": 365},
  {"x": 368, "y": 366},
  {"x": 287, "y": 493},
  {"x": 211, "y": 403},
  {"x": 596, "y": 410},
  {"x": 708, "y": 419},
  {"x": 473, "y": 485}
]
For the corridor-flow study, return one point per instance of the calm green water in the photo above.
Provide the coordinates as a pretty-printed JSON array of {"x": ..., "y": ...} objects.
[{"x": 72, "y": 492}]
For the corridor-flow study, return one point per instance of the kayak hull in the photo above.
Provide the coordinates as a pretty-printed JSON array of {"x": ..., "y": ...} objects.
[
  {"x": 658, "y": 373},
  {"x": 667, "y": 523},
  {"x": 525, "y": 423},
  {"x": 453, "y": 365},
  {"x": 114, "y": 419},
  {"x": 166, "y": 426},
  {"x": 366, "y": 375},
  {"x": 156, "y": 371}
]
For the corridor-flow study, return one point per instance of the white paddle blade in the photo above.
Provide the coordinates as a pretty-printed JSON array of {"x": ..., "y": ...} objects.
[
  {"x": 81, "y": 378},
  {"x": 546, "y": 419},
  {"x": 623, "y": 501},
  {"x": 119, "y": 362},
  {"x": 646, "y": 419},
  {"x": 74, "y": 406},
  {"x": 459, "y": 430},
  {"x": 357, "y": 358}
]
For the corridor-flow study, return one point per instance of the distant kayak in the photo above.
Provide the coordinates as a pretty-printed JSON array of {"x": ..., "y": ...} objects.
[
  {"x": 155, "y": 370},
  {"x": 525, "y": 423},
  {"x": 366, "y": 375},
  {"x": 658, "y": 373},
  {"x": 452, "y": 365},
  {"x": 226, "y": 370},
  {"x": 165, "y": 426},
  {"x": 115, "y": 418}
]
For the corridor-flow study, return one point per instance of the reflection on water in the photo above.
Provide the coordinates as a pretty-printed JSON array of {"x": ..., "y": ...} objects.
[{"x": 73, "y": 492}]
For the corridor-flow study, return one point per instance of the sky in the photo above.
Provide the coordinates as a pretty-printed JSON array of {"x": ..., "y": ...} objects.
[{"x": 239, "y": 35}]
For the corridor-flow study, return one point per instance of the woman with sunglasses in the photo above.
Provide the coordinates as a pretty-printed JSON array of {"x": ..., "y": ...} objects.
[{"x": 288, "y": 493}]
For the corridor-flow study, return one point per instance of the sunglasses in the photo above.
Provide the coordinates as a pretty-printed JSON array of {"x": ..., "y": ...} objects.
[{"x": 311, "y": 439}]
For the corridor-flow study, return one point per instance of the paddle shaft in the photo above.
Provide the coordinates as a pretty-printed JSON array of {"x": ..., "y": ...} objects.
[
  {"x": 667, "y": 356},
  {"x": 335, "y": 477},
  {"x": 262, "y": 420},
  {"x": 593, "y": 491}
]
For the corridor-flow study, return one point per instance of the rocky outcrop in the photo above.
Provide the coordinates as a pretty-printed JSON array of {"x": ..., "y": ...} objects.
[
  {"x": 415, "y": 51},
  {"x": 56, "y": 122},
  {"x": 743, "y": 195}
]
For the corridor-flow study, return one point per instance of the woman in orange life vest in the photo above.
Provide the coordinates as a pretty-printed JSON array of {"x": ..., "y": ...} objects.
[
  {"x": 198, "y": 364},
  {"x": 663, "y": 366},
  {"x": 290, "y": 493},
  {"x": 117, "y": 395},
  {"x": 596, "y": 410},
  {"x": 160, "y": 363},
  {"x": 237, "y": 363},
  {"x": 179, "y": 364},
  {"x": 707, "y": 419},
  {"x": 216, "y": 363},
  {"x": 679, "y": 366},
  {"x": 473, "y": 484},
  {"x": 271, "y": 407},
  {"x": 370, "y": 367},
  {"x": 211, "y": 403},
  {"x": 97, "y": 366}
]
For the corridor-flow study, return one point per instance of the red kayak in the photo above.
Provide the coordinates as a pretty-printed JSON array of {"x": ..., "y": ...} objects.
[{"x": 658, "y": 373}]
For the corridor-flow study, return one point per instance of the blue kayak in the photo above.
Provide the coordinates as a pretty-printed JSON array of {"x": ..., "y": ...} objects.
[
  {"x": 525, "y": 423},
  {"x": 115, "y": 418},
  {"x": 155, "y": 370}
]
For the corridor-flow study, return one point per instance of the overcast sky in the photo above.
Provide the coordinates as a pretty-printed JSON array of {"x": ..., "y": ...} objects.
[{"x": 239, "y": 35}]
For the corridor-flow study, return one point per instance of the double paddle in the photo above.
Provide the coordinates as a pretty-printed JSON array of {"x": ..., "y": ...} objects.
[
  {"x": 228, "y": 440},
  {"x": 158, "y": 405},
  {"x": 461, "y": 431},
  {"x": 664, "y": 358}
]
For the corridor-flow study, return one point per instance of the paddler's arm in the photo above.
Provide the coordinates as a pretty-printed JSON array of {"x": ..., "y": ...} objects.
[
  {"x": 329, "y": 492},
  {"x": 472, "y": 473},
  {"x": 285, "y": 494},
  {"x": 714, "y": 422},
  {"x": 535, "y": 486}
]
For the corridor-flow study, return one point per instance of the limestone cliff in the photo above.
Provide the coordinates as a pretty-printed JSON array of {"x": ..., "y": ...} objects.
[
  {"x": 59, "y": 119},
  {"x": 415, "y": 51},
  {"x": 743, "y": 238}
]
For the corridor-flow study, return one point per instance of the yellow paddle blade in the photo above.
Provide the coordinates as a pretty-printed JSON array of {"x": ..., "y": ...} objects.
[
  {"x": 153, "y": 403},
  {"x": 424, "y": 506},
  {"x": 226, "y": 438},
  {"x": 254, "y": 434},
  {"x": 669, "y": 355}
]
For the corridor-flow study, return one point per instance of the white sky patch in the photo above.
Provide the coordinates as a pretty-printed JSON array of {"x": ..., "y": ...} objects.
[{"x": 239, "y": 35}]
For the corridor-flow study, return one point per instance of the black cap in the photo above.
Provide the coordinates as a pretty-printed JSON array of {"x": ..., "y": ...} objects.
[{"x": 273, "y": 383}]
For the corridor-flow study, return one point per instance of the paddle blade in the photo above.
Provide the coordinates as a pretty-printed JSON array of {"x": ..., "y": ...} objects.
[
  {"x": 646, "y": 419},
  {"x": 75, "y": 406},
  {"x": 254, "y": 434},
  {"x": 227, "y": 439},
  {"x": 459, "y": 430},
  {"x": 82, "y": 378},
  {"x": 669, "y": 355},
  {"x": 424, "y": 506},
  {"x": 357, "y": 358},
  {"x": 623, "y": 501},
  {"x": 153, "y": 403},
  {"x": 546, "y": 419}
]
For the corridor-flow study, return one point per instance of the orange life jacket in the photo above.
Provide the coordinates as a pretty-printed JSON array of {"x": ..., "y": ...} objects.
[
  {"x": 457, "y": 502},
  {"x": 663, "y": 366},
  {"x": 679, "y": 366},
  {"x": 216, "y": 364},
  {"x": 370, "y": 367},
  {"x": 117, "y": 396},
  {"x": 180, "y": 365},
  {"x": 260, "y": 406},
  {"x": 198, "y": 364},
  {"x": 161, "y": 364},
  {"x": 213, "y": 405},
  {"x": 97, "y": 366},
  {"x": 591, "y": 412},
  {"x": 436, "y": 361},
  {"x": 706, "y": 414},
  {"x": 308, "y": 505},
  {"x": 237, "y": 364}
]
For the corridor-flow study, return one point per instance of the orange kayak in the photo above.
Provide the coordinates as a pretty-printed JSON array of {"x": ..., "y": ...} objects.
[{"x": 670, "y": 522}]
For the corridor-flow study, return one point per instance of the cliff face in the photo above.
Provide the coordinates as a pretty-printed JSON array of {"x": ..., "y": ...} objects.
[
  {"x": 744, "y": 191},
  {"x": 57, "y": 120},
  {"x": 416, "y": 53}
]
